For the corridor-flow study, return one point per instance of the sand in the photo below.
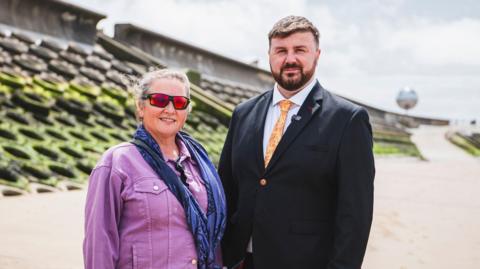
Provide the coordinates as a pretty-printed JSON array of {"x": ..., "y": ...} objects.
[{"x": 427, "y": 213}]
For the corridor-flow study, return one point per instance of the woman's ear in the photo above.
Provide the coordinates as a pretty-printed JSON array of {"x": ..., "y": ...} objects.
[{"x": 140, "y": 109}]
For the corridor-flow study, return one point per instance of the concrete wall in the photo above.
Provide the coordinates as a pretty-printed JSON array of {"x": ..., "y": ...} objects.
[
  {"x": 182, "y": 55},
  {"x": 50, "y": 17}
]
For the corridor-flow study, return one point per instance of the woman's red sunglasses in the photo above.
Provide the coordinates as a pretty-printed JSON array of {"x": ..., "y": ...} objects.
[{"x": 162, "y": 100}]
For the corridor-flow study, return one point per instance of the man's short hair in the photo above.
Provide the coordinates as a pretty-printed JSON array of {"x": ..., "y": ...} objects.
[{"x": 293, "y": 24}]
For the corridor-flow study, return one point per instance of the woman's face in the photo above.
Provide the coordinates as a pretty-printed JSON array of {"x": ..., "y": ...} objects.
[{"x": 164, "y": 123}]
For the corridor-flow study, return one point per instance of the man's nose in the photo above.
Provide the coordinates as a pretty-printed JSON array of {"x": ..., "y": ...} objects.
[{"x": 291, "y": 58}]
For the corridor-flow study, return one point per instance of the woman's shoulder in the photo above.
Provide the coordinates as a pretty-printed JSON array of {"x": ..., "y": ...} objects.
[
  {"x": 117, "y": 153},
  {"x": 125, "y": 161}
]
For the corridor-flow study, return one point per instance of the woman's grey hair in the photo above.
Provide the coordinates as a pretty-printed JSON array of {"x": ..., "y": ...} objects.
[{"x": 142, "y": 86}]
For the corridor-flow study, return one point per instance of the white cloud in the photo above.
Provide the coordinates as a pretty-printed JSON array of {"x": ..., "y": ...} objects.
[{"x": 430, "y": 43}]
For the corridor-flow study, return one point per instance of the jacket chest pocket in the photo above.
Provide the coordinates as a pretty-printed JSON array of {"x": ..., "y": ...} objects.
[{"x": 156, "y": 198}]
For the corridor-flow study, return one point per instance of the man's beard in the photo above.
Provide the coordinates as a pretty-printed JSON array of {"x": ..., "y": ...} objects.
[{"x": 290, "y": 83}]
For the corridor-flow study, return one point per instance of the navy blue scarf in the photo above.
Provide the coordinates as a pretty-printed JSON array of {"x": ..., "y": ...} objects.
[{"x": 207, "y": 229}]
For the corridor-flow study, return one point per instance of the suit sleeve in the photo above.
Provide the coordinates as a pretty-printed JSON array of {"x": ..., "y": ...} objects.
[
  {"x": 102, "y": 216},
  {"x": 226, "y": 175},
  {"x": 355, "y": 175}
]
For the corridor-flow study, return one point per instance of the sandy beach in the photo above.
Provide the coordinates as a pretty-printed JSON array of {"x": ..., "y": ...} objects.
[
  {"x": 427, "y": 213},
  {"x": 427, "y": 216}
]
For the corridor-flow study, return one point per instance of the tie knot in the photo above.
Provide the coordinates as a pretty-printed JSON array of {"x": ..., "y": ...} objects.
[{"x": 285, "y": 105}]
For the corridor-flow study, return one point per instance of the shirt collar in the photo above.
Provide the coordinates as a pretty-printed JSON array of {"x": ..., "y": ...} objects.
[
  {"x": 298, "y": 98},
  {"x": 183, "y": 151}
]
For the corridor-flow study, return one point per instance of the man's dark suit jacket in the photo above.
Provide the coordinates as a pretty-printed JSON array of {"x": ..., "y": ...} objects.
[{"x": 314, "y": 208}]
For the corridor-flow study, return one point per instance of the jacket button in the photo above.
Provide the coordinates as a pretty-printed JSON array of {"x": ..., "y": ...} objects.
[
  {"x": 194, "y": 261},
  {"x": 263, "y": 182},
  {"x": 155, "y": 188}
]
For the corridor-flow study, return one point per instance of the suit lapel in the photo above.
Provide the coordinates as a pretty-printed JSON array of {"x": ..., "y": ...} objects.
[
  {"x": 309, "y": 107},
  {"x": 261, "y": 110}
]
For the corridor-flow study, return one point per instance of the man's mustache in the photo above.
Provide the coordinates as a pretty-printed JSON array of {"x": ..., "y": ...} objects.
[{"x": 290, "y": 65}]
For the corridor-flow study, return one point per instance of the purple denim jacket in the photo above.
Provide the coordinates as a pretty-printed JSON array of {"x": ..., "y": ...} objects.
[{"x": 132, "y": 220}]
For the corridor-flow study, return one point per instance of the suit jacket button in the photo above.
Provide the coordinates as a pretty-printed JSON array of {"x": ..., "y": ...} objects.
[{"x": 263, "y": 182}]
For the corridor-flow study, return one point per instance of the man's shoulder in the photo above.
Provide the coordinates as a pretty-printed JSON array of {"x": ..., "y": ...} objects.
[
  {"x": 341, "y": 104},
  {"x": 249, "y": 104}
]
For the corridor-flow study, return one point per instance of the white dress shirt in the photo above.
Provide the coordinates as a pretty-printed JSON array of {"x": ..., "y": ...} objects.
[{"x": 273, "y": 114}]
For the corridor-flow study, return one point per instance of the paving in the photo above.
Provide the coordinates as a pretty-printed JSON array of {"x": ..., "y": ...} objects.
[{"x": 427, "y": 215}]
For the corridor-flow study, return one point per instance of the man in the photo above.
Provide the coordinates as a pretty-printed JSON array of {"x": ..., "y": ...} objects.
[{"x": 297, "y": 167}]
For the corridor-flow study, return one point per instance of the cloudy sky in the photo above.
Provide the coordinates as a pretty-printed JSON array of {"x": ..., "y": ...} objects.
[{"x": 370, "y": 48}]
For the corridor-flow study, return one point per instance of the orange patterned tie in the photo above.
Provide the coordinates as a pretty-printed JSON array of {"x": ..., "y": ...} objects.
[{"x": 277, "y": 130}]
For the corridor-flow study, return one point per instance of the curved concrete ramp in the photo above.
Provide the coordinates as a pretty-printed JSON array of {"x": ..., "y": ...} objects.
[{"x": 433, "y": 145}]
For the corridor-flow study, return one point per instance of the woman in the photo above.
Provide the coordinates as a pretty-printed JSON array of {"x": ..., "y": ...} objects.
[{"x": 156, "y": 202}]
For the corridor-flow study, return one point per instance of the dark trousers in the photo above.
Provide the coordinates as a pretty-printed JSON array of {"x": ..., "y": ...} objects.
[{"x": 248, "y": 262}]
